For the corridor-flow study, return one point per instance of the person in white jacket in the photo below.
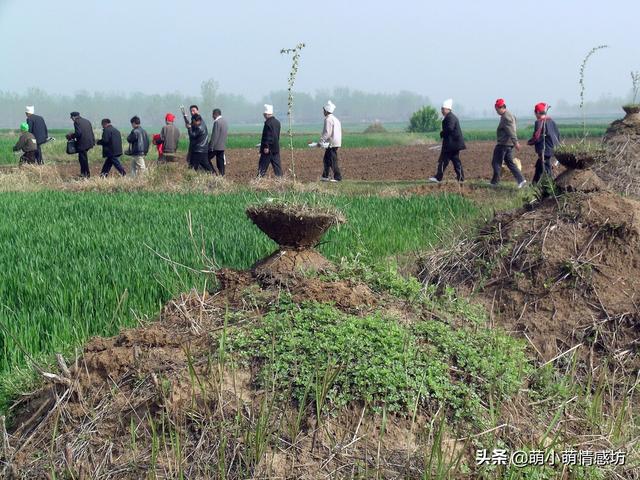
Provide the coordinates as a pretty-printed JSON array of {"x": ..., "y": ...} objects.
[{"x": 331, "y": 141}]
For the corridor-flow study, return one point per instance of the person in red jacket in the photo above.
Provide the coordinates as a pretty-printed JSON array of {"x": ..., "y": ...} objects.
[{"x": 545, "y": 137}]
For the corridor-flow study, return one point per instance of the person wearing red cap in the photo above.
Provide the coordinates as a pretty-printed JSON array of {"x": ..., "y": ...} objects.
[
  {"x": 545, "y": 137},
  {"x": 169, "y": 137},
  {"x": 507, "y": 140}
]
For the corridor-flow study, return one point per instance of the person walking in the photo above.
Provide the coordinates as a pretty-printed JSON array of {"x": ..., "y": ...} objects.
[
  {"x": 452, "y": 143},
  {"x": 138, "y": 147},
  {"x": 38, "y": 128},
  {"x": 331, "y": 141},
  {"x": 170, "y": 137},
  {"x": 545, "y": 138},
  {"x": 199, "y": 145},
  {"x": 218, "y": 141},
  {"x": 507, "y": 140},
  {"x": 26, "y": 143},
  {"x": 111, "y": 143},
  {"x": 85, "y": 141},
  {"x": 193, "y": 110},
  {"x": 270, "y": 144}
]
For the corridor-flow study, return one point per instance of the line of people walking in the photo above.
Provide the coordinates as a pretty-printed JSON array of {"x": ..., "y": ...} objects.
[
  {"x": 546, "y": 137},
  {"x": 203, "y": 148}
]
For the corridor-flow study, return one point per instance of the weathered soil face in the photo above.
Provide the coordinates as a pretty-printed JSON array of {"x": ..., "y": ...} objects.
[
  {"x": 579, "y": 181},
  {"x": 578, "y": 161},
  {"x": 566, "y": 275},
  {"x": 292, "y": 227},
  {"x": 621, "y": 168}
]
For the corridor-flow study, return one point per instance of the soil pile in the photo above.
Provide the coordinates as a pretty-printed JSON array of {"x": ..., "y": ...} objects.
[
  {"x": 565, "y": 274},
  {"x": 296, "y": 229},
  {"x": 621, "y": 167}
]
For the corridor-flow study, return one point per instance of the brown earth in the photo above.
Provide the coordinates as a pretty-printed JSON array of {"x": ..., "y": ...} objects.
[
  {"x": 366, "y": 164},
  {"x": 621, "y": 167},
  {"x": 565, "y": 275}
]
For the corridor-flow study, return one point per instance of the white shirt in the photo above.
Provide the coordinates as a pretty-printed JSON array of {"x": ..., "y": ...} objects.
[{"x": 332, "y": 132}]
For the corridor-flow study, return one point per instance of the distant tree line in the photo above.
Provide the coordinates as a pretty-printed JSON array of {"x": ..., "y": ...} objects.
[{"x": 354, "y": 106}]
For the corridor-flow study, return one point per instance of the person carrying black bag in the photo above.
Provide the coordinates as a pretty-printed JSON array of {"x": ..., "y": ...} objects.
[{"x": 84, "y": 141}]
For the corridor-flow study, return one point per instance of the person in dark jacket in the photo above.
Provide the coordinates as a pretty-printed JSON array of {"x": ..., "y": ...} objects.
[
  {"x": 199, "y": 145},
  {"x": 452, "y": 143},
  {"x": 507, "y": 140},
  {"x": 545, "y": 138},
  {"x": 218, "y": 140},
  {"x": 270, "y": 144},
  {"x": 27, "y": 143},
  {"x": 111, "y": 142},
  {"x": 85, "y": 141},
  {"x": 193, "y": 110},
  {"x": 138, "y": 146},
  {"x": 38, "y": 128}
]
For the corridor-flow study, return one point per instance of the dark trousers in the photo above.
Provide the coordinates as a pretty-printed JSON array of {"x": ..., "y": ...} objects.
[
  {"x": 330, "y": 161},
  {"x": 39, "y": 157},
  {"x": 504, "y": 154},
  {"x": 83, "y": 158},
  {"x": 542, "y": 167},
  {"x": 219, "y": 156},
  {"x": 28, "y": 157},
  {"x": 112, "y": 162},
  {"x": 443, "y": 163},
  {"x": 265, "y": 160},
  {"x": 200, "y": 161}
]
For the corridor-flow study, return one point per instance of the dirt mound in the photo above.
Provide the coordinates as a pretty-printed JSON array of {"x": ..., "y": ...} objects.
[
  {"x": 293, "y": 227},
  {"x": 620, "y": 169},
  {"x": 104, "y": 416},
  {"x": 287, "y": 263},
  {"x": 566, "y": 275},
  {"x": 579, "y": 181}
]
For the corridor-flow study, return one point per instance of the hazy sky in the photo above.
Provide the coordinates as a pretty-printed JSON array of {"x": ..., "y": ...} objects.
[{"x": 471, "y": 50}]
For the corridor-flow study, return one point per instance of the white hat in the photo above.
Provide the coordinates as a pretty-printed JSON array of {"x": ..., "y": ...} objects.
[
  {"x": 329, "y": 107},
  {"x": 448, "y": 104},
  {"x": 29, "y": 109},
  {"x": 268, "y": 109}
]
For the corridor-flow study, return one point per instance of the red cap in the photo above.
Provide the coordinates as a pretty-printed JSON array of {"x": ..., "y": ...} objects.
[
  {"x": 170, "y": 117},
  {"x": 500, "y": 103},
  {"x": 540, "y": 108}
]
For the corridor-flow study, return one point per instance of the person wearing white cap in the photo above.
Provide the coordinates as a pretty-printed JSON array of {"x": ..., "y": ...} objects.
[
  {"x": 38, "y": 128},
  {"x": 331, "y": 141},
  {"x": 270, "y": 144},
  {"x": 452, "y": 143}
]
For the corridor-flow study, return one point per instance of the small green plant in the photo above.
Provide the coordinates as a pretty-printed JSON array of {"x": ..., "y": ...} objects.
[
  {"x": 582, "y": 83},
  {"x": 341, "y": 358},
  {"x": 424, "y": 120},
  {"x": 295, "y": 61}
]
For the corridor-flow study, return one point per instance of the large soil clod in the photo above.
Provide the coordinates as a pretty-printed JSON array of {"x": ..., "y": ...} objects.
[
  {"x": 566, "y": 274},
  {"x": 293, "y": 227},
  {"x": 585, "y": 181}
]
